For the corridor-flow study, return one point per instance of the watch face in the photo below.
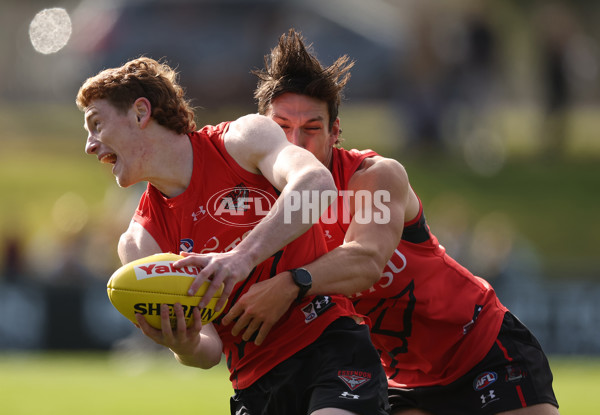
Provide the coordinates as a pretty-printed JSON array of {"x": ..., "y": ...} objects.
[{"x": 303, "y": 277}]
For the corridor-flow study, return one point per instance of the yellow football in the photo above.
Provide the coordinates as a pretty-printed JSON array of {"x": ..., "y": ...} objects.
[{"x": 142, "y": 286}]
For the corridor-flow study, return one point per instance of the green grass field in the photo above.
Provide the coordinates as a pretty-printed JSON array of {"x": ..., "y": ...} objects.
[{"x": 96, "y": 383}]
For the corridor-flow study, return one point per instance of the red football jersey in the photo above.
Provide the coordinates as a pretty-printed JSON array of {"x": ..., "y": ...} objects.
[
  {"x": 432, "y": 320},
  {"x": 220, "y": 206}
]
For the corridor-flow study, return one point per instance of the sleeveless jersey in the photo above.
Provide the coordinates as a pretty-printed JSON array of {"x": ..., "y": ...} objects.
[
  {"x": 220, "y": 206},
  {"x": 432, "y": 320}
]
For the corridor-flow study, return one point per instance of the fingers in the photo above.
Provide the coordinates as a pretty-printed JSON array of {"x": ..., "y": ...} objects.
[
  {"x": 165, "y": 335},
  {"x": 147, "y": 329},
  {"x": 234, "y": 312},
  {"x": 265, "y": 328},
  {"x": 254, "y": 327},
  {"x": 197, "y": 261},
  {"x": 208, "y": 295},
  {"x": 184, "y": 332},
  {"x": 142, "y": 323},
  {"x": 248, "y": 323},
  {"x": 181, "y": 340},
  {"x": 197, "y": 324},
  {"x": 218, "y": 278},
  {"x": 220, "y": 270},
  {"x": 251, "y": 329},
  {"x": 208, "y": 272},
  {"x": 181, "y": 324},
  {"x": 165, "y": 323},
  {"x": 245, "y": 320},
  {"x": 227, "y": 290}
]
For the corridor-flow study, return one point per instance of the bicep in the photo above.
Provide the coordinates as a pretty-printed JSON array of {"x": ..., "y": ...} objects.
[
  {"x": 259, "y": 145},
  {"x": 135, "y": 243},
  {"x": 378, "y": 208},
  {"x": 280, "y": 164}
]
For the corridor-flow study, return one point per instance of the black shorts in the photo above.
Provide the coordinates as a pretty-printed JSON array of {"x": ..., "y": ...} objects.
[
  {"x": 341, "y": 369},
  {"x": 514, "y": 374}
]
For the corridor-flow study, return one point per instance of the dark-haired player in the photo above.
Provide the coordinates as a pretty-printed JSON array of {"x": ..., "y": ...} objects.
[{"x": 447, "y": 343}]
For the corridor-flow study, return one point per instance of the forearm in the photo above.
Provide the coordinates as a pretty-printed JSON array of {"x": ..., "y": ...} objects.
[
  {"x": 299, "y": 207},
  {"x": 347, "y": 270},
  {"x": 207, "y": 354}
]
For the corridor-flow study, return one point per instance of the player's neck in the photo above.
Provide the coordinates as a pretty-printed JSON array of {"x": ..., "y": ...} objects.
[{"x": 173, "y": 166}]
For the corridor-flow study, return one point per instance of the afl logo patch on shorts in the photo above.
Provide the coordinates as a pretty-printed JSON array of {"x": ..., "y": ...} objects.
[{"x": 484, "y": 380}]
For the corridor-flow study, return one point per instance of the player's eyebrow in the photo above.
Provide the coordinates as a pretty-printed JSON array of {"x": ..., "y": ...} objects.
[{"x": 317, "y": 118}]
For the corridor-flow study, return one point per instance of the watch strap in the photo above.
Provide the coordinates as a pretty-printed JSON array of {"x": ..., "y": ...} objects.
[{"x": 303, "y": 286}]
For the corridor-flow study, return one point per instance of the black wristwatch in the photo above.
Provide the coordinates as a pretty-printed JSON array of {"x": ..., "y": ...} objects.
[{"x": 303, "y": 280}]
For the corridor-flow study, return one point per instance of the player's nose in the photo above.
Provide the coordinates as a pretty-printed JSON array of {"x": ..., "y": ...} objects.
[
  {"x": 91, "y": 144},
  {"x": 295, "y": 137}
]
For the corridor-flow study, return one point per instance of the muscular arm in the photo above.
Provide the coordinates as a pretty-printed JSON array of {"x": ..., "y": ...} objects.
[
  {"x": 352, "y": 267},
  {"x": 259, "y": 145},
  {"x": 357, "y": 264}
]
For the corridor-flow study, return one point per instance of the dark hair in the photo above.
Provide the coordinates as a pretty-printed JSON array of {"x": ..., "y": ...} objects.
[
  {"x": 142, "y": 77},
  {"x": 293, "y": 67}
]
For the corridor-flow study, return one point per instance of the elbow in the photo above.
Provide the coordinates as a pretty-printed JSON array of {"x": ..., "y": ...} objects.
[
  {"x": 365, "y": 276},
  {"x": 206, "y": 362},
  {"x": 373, "y": 271},
  {"x": 319, "y": 185},
  {"x": 315, "y": 176},
  {"x": 365, "y": 267},
  {"x": 126, "y": 244},
  {"x": 327, "y": 183},
  {"x": 322, "y": 180},
  {"x": 210, "y": 363},
  {"x": 213, "y": 362}
]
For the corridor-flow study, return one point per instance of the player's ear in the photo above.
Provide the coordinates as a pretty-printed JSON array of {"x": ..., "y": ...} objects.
[
  {"x": 142, "y": 111},
  {"x": 334, "y": 134}
]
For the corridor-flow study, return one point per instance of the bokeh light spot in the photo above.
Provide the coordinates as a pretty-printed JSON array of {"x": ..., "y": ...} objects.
[{"x": 50, "y": 30}]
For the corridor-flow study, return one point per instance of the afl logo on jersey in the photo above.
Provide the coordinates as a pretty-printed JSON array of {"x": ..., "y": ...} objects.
[
  {"x": 240, "y": 205},
  {"x": 484, "y": 380}
]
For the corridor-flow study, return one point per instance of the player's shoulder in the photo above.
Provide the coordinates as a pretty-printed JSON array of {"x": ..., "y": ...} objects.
[
  {"x": 251, "y": 123},
  {"x": 379, "y": 173},
  {"x": 379, "y": 168},
  {"x": 253, "y": 134}
]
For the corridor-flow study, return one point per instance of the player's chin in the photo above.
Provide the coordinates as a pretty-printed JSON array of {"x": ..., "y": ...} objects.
[
  {"x": 122, "y": 177},
  {"x": 123, "y": 180}
]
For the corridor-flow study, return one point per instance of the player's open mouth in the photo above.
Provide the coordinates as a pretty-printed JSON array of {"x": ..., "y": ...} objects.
[{"x": 110, "y": 158}]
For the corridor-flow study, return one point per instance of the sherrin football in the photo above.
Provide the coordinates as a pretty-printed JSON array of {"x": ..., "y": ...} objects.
[{"x": 141, "y": 286}]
